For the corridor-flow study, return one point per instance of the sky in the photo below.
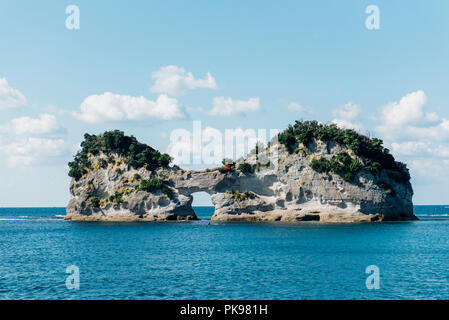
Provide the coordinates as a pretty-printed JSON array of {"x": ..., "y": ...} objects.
[{"x": 151, "y": 68}]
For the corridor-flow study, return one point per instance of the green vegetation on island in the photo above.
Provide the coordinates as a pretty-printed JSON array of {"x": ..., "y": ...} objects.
[
  {"x": 136, "y": 154},
  {"x": 114, "y": 148},
  {"x": 127, "y": 187},
  {"x": 375, "y": 157},
  {"x": 241, "y": 196},
  {"x": 245, "y": 167},
  {"x": 153, "y": 185},
  {"x": 341, "y": 164},
  {"x": 229, "y": 166},
  {"x": 95, "y": 201}
]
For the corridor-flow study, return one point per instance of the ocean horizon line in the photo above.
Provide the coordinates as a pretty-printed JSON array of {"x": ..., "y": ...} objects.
[{"x": 60, "y": 207}]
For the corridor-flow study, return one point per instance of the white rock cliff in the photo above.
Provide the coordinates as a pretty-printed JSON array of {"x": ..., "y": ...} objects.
[{"x": 287, "y": 189}]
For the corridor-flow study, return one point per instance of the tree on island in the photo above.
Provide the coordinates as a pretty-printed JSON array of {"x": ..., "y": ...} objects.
[{"x": 136, "y": 154}]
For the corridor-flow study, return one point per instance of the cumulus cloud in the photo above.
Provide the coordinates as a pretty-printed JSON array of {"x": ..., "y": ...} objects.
[
  {"x": 229, "y": 107},
  {"x": 45, "y": 124},
  {"x": 345, "y": 124},
  {"x": 33, "y": 150},
  {"x": 29, "y": 141},
  {"x": 411, "y": 148},
  {"x": 429, "y": 171},
  {"x": 437, "y": 132},
  {"x": 347, "y": 116},
  {"x": 174, "y": 80},
  {"x": 417, "y": 135},
  {"x": 10, "y": 98},
  {"x": 349, "y": 111},
  {"x": 407, "y": 119},
  {"x": 408, "y": 110},
  {"x": 420, "y": 149},
  {"x": 114, "y": 107}
]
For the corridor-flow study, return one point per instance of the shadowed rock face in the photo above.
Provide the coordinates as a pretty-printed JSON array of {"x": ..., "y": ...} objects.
[{"x": 288, "y": 190}]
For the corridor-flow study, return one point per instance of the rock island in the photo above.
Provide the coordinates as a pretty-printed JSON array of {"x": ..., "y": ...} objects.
[{"x": 310, "y": 172}]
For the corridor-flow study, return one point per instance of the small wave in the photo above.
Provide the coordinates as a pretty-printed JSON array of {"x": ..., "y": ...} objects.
[
  {"x": 59, "y": 215},
  {"x": 32, "y": 219},
  {"x": 433, "y": 215}
]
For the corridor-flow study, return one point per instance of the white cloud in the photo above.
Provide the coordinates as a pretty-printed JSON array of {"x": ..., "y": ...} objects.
[
  {"x": 429, "y": 170},
  {"x": 10, "y": 98},
  {"x": 46, "y": 123},
  {"x": 33, "y": 150},
  {"x": 420, "y": 131},
  {"x": 347, "y": 115},
  {"x": 28, "y": 141},
  {"x": 115, "y": 107},
  {"x": 410, "y": 148},
  {"x": 345, "y": 124},
  {"x": 349, "y": 111},
  {"x": 420, "y": 149},
  {"x": 417, "y": 136},
  {"x": 293, "y": 106},
  {"x": 229, "y": 107},
  {"x": 407, "y": 120},
  {"x": 176, "y": 81},
  {"x": 407, "y": 111}
]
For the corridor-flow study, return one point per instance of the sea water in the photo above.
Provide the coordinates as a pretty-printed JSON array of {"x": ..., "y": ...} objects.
[{"x": 209, "y": 260}]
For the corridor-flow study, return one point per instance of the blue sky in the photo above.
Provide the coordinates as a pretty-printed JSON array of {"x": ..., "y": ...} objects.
[{"x": 315, "y": 56}]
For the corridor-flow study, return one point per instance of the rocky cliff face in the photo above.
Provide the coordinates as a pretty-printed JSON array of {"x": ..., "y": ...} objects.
[
  {"x": 286, "y": 188},
  {"x": 111, "y": 192}
]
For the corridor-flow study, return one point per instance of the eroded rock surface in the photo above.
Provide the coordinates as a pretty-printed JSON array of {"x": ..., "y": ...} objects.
[{"x": 287, "y": 189}]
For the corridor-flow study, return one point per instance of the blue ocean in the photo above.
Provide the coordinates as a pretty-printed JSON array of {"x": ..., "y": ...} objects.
[{"x": 209, "y": 260}]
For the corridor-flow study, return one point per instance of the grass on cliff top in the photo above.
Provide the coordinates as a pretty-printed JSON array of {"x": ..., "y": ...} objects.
[
  {"x": 136, "y": 154},
  {"x": 370, "y": 150},
  {"x": 375, "y": 156}
]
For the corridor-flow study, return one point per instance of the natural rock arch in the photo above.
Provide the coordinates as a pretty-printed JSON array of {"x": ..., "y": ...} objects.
[{"x": 292, "y": 187}]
